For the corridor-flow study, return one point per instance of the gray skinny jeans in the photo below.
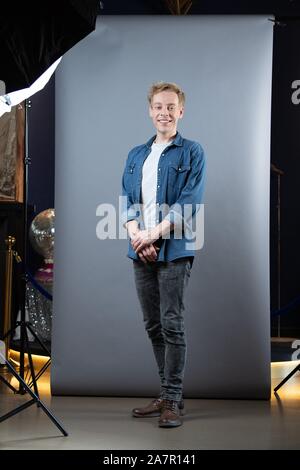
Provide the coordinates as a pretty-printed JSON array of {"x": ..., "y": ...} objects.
[{"x": 160, "y": 288}]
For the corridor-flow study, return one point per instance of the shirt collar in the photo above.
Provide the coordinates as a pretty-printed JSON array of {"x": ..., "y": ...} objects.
[{"x": 177, "y": 141}]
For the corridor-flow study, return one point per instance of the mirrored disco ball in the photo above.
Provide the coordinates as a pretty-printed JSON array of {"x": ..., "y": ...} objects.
[{"x": 41, "y": 233}]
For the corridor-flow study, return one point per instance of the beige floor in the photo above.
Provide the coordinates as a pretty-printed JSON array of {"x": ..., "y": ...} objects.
[{"x": 105, "y": 423}]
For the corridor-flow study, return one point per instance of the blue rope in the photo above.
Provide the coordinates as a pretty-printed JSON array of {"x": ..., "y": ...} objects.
[
  {"x": 294, "y": 303},
  {"x": 38, "y": 286}
]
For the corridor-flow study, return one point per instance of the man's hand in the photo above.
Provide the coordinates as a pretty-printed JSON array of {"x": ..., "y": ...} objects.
[
  {"x": 143, "y": 239},
  {"x": 132, "y": 228},
  {"x": 148, "y": 254}
]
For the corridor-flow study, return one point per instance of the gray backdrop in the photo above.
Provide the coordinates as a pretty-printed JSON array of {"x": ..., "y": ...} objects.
[{"x": 224, "y": 65}]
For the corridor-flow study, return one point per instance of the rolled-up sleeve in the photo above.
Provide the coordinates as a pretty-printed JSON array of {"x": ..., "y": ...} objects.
[{"x": 191, "y": 196}]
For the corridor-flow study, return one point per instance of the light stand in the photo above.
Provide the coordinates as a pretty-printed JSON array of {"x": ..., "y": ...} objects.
[
  {"x": 24, "y": 340},
  {"x": 24, "y": 325}
]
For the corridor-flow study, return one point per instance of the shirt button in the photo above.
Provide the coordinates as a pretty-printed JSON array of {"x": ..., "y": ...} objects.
[
  {"x": 159, "y": 169},
  {"x": 158, "y": 186},
  {"x": 162, "y": 154}
]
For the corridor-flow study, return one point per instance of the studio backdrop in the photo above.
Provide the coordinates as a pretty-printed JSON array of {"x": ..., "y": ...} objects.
[{"x": 224, "y": 65}]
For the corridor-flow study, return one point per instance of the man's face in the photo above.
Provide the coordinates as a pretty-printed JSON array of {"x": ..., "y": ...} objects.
[{"x": 165, "y": 112}]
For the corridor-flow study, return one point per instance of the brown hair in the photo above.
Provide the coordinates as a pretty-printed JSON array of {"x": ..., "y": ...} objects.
[{"x": 165, "y": 86}]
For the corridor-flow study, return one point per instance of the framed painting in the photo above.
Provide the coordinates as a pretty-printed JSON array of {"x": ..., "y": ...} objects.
[{"x": 12, "y": 132}]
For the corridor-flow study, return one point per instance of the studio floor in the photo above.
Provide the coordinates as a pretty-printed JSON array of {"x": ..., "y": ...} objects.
[{"x": 106, "y": 424}]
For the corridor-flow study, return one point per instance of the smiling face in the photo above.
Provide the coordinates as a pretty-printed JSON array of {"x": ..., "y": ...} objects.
[{"x": 165, "y": 112}]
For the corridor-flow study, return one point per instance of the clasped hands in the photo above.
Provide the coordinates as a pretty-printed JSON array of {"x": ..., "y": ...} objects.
[{"x": 143, "y": 244}]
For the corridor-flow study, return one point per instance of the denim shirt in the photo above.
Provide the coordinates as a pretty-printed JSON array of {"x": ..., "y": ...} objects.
[{"x": 181, "y": 174}]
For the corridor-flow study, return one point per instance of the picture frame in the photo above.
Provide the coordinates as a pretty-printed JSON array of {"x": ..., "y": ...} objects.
[{"x": 12, "y": 148}]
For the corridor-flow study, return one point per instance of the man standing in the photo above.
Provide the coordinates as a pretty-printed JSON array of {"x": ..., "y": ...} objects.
[{"x": 163, "y": 184}]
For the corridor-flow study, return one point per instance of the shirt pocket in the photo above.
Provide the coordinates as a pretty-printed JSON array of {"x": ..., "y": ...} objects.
[
  {"x": 129, "y": 177},
  {"x": 178, "y": 174}
]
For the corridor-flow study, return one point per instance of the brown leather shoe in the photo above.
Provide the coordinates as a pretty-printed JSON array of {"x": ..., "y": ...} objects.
[
  {"x": 170, "y": 416},
  {"x": 149, "y": 411}
]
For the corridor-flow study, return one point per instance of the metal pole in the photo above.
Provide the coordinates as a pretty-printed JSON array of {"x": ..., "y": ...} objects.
[
  {"x": 25, "y": 224},
  {"x": 278, "y": 255},
  {"x": 10, "y": 241}
]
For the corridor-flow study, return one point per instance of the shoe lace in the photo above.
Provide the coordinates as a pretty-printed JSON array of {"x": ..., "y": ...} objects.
[{"x": 170, "y": 405}]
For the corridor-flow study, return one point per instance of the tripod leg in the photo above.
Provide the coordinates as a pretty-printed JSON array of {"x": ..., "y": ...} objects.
[
  {"x": 22, "y": 356},
  {"x": 8, "y": 384},
  {"x": 31, "y": 364},
  {"x": 41, "y": 371},
  {"x": 46, "y": 365},
  {"x": 35, "y": 399},
  {"x": 287, "y": 378},
  {"x": 17, "y": 410},
  {"x": 38, "y": 339}
]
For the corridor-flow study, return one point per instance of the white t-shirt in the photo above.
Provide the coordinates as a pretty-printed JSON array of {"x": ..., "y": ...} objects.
[{"x": 149, "y": 184}]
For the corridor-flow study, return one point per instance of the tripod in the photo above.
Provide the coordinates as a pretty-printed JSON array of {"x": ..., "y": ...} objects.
[
  {"x": 24, "y": 325},
  {"x": 35, "y": 398}
]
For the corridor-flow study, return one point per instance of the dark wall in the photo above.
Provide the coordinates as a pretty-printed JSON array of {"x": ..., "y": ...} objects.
[
  {"x": 41, "y": 150},
  {"x": 41, "y": 142},
  {"x": 285, "y": 151}
]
